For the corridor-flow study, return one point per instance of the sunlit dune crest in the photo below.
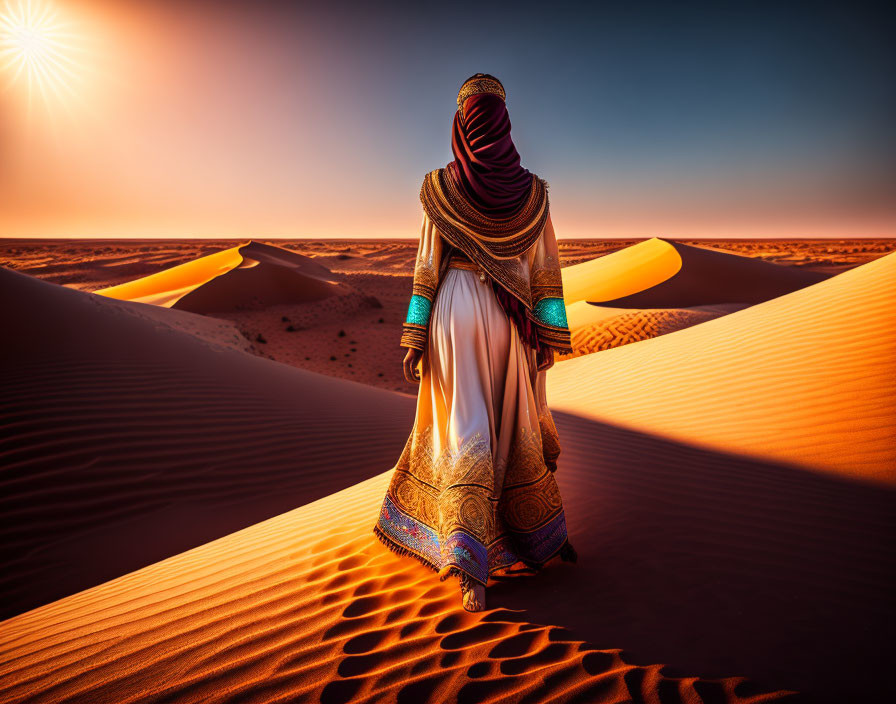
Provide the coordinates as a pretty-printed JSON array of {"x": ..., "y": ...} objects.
[
  {"x": 233, "y": 277},
  {"x": 306, "y": 605},
  {"x": 679, "y": 530},
  {"x": 808, "y": 378},
  {"x": 657, "y": 286},
  {"x": 621, "y": 273},
  {"x": 658, "y": 273}
]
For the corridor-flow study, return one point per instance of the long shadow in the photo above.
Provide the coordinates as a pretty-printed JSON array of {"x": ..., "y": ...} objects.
[{"x": 720, "y": 565}]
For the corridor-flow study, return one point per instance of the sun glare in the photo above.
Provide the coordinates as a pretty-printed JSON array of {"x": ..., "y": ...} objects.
[{"x": 39, "y": 48}]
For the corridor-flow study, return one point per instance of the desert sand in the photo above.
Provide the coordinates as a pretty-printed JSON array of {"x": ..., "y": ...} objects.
[
  {"x": 730, "y": 549},
  {"x": 808, "y": 378},
  {"x": 128, "y": 439},
  {"x": 658, "y": 286},
  {"x": 663, "y": 273},
  {"x": 253, "y": 275}
]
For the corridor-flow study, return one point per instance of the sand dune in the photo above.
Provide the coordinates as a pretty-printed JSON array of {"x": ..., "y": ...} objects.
[
  {"x": 308, "y": 607},
  {"x": 251, "y": 275},
  {"x": 596, "y": 328},
  {"x": 657, "y": 286},
  {"x": 130, "y": 432},
  {"x": 808, "y": 378},
  {"x": 630, "y": 327},
  {"x": 658, "y": 273},
  {"x": 721, "y": 565},
  {"x": 186, "y": 437}
]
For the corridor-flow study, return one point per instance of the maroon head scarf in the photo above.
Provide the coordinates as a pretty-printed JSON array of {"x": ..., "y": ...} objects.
[
  {"x": 487, "y": 170},
  {"x": 486, "y": 166}
]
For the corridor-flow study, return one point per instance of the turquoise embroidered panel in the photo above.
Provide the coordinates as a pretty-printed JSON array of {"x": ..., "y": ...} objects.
[
  {"x": 418, "y": 310},
  {"x": 551, "y": 311}
]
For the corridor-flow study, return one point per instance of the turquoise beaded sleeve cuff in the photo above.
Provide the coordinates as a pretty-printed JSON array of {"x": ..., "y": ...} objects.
[
  {"x": 549, "y": 310},
  {"x": 416, "y": 324},
  {"x": 418, "y": 310}
]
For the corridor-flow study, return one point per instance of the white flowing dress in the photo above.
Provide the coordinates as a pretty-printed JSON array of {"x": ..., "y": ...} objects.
[{"x": 474, "y": 487}]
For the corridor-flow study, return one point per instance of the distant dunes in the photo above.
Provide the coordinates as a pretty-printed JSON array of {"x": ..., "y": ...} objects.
[
  {"x": 729, "y": 489},
  {"x": 252, "y": 275},
  {"x": 129, "y": 433},
  {"x": 659, "y": 286},
  {"x": 808, "y": 378},
  {"x": 658, "y": 273}
]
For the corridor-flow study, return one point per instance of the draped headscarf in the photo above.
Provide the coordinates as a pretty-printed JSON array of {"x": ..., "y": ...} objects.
[
  {"x": 486, "y": 204},
  {"x": 486, "y": 166}
]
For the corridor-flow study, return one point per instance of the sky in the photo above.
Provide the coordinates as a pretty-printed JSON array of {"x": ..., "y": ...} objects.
[{"x": 265, "y": 120}]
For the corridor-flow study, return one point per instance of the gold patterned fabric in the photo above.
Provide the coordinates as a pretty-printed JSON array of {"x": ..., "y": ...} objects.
[
  {"x": 494, "y": 244},
  {"x": 474, "y": 489},
  {"x": 533, "y": 277}
]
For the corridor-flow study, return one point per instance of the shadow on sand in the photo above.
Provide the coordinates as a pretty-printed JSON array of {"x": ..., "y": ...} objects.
[{"x": 720, "y": 564}]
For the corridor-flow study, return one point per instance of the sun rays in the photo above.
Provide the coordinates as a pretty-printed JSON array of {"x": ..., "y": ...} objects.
[{"x": 39, "y": 50}]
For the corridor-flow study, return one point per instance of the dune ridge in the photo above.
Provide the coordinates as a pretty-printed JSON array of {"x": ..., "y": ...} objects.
[
  {"x": 808, "y": 378},
  {"x": 694, "y": 550},
  {"x": 131, "y": 432},
  {"x": 307, "y": 606},
  {"x": 250, "y": 275},
  {"x": 659, "y": 273},
  {"x": 632, "y": 327}
]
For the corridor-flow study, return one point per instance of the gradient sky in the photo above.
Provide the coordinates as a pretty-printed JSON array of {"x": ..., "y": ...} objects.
[{"x": 262, "y": 119}]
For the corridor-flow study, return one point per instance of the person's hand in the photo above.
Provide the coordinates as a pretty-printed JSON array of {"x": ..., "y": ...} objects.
[
  {"x": 411, "y": 360},
  {"x": 544, "y": 359}
]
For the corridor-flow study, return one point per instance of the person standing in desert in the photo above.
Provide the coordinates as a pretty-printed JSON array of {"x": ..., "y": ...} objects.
[{"x": 473, "y": 493}]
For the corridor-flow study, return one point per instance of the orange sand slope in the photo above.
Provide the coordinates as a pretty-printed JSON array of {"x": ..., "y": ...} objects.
[
  {"x": 253, "y": 274},
  {"x": 658, "y": 273},
  {"x": 808, "y": 378},
  {"x": 718, "y": 564},
  {"x": 129, "y": 433},
  {"x": 595, "y": 328},
  {"x": 581, "y": 314},
  {"x": 308, "y": 607},
  {"x": 632, "y": 326}
]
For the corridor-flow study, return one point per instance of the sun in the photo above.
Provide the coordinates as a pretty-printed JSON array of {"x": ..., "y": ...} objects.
[{"x": 39, "y": 48}]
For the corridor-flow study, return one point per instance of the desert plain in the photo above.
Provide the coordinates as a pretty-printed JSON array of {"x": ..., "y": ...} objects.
[{"x": 197, "y": 436}]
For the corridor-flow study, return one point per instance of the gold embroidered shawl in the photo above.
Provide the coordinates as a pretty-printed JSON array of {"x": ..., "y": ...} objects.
[
  {"x": 494, "y": 244},
  {"x": 533, "y": 277}
]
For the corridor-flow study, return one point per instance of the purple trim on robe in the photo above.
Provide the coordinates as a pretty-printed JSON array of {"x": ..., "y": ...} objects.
[
  {"x": 409, "y": 533},
  {"x": 464, "y": 551},
  {"x": 543, "y": 543}
]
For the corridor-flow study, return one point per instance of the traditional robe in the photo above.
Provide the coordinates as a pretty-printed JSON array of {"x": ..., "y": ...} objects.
[{"x": 474, "y": 489}]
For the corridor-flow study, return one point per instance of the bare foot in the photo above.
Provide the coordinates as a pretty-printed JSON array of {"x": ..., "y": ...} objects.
[{"x": 474, "y": 598}]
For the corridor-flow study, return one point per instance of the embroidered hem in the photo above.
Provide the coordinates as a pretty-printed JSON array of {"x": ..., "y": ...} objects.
[
  {"x": 566, "y": 552},
  {"x": 405, "y": 535}
]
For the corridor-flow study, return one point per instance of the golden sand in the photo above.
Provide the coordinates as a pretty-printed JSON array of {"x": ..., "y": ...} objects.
[{"x": 807, "y": 378}]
